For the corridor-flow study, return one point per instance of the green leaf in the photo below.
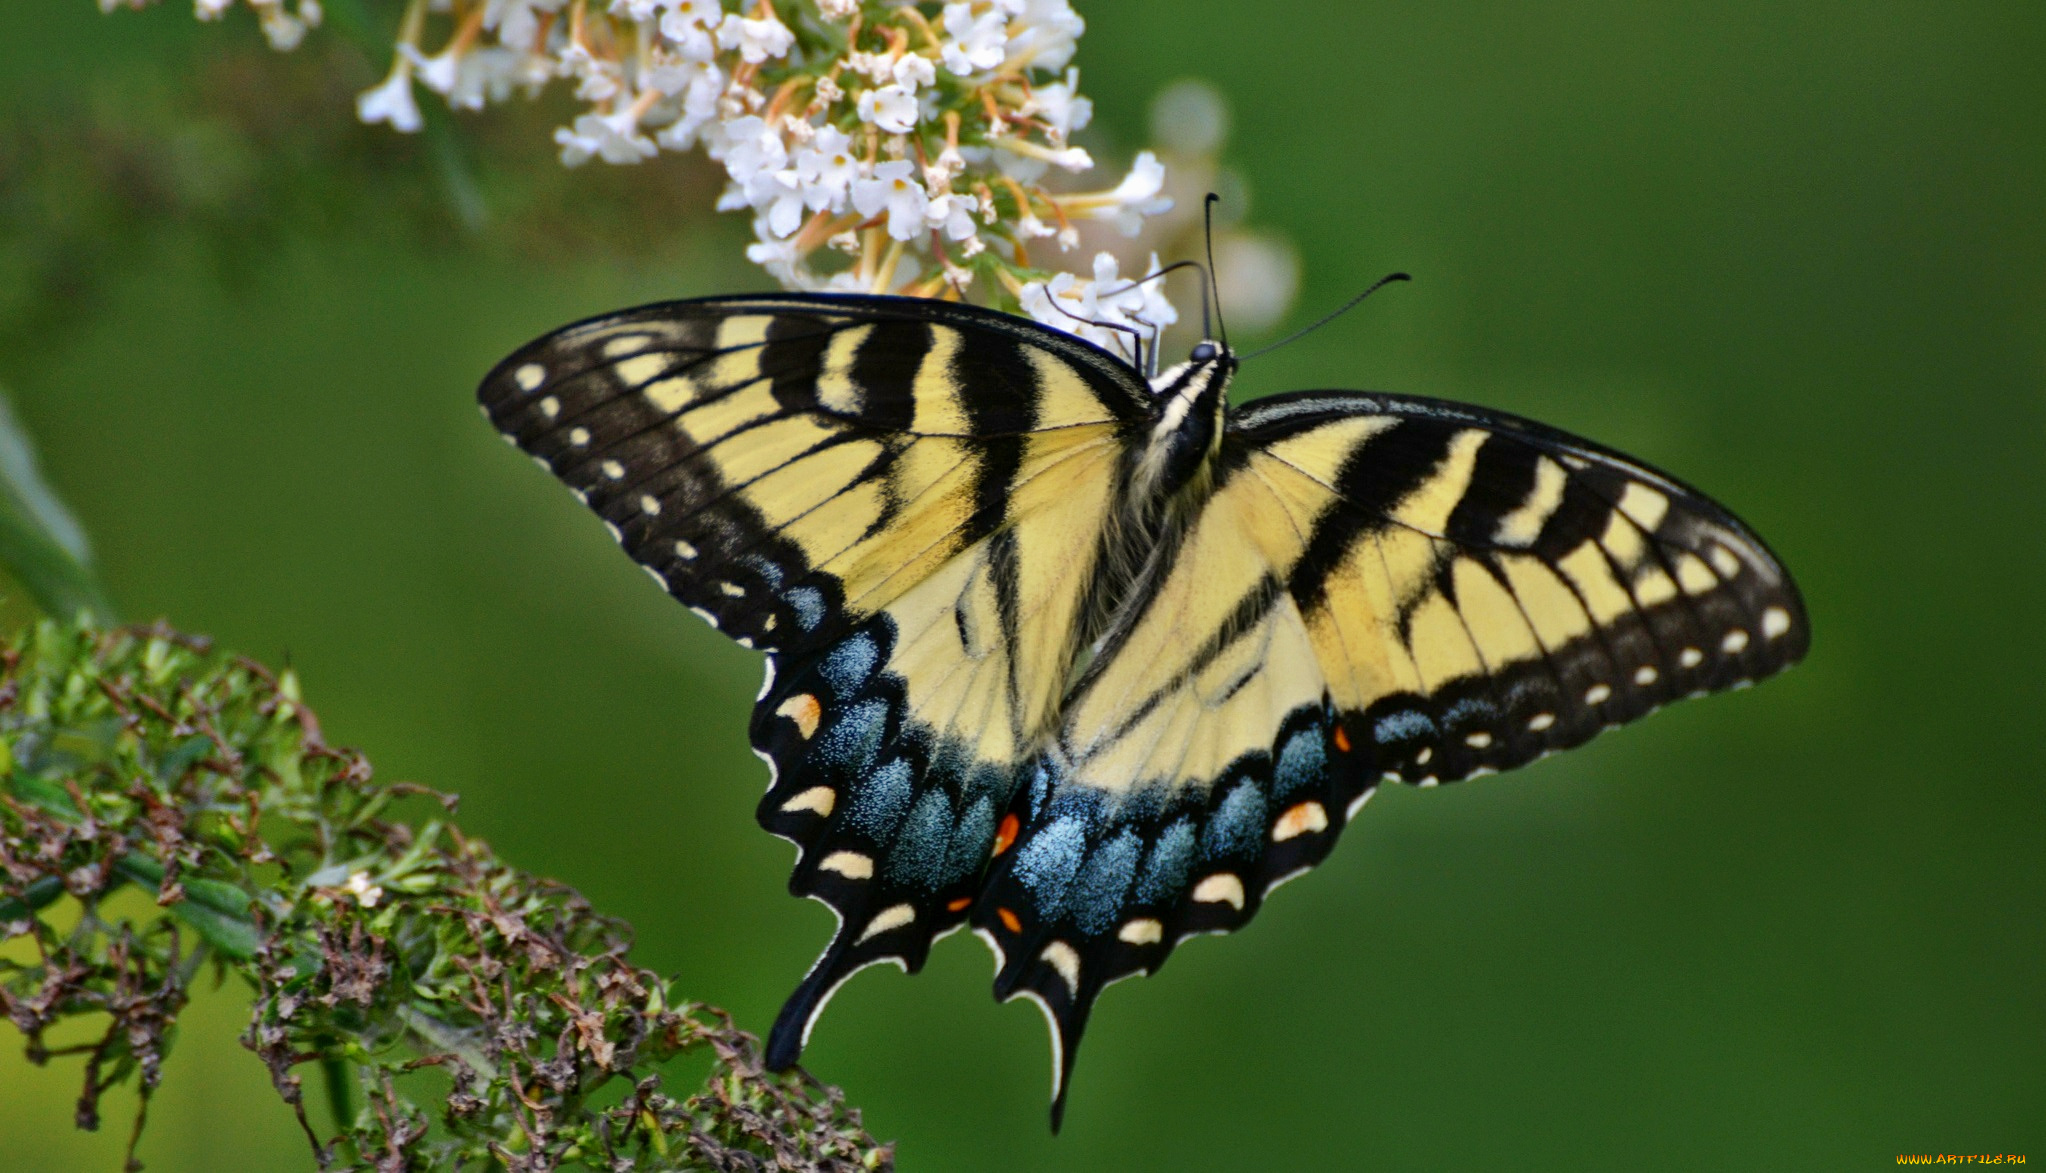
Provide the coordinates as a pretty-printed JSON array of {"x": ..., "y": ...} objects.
[
  {"x": 217, "y": 912},
  {"x": 41, "y": 544},
  {"x": 40, "y": 894}
]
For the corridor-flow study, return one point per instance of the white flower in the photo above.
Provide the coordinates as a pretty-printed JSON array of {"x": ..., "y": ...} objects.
[
  {"x": 911, "y": 71},
  {"x": 692, "y": 27},
  {"x": 1044, "y": 33},
  {"x": 895, "y": 189},
  {"x": 601, "y": 77},
  {"x": 879, "y": 67},
  {"x": 756, "y": 40},
  {"x": 1061, "y": 108},
  {"x": 827, "y": 168},
  {"x": 614, "y": 137},
  {"x": 845, "y": 281},
  {"x": 485, "y": 75},
  {"x": 517, "y": 21},
  {"x": 953, "y": 214},
  {"x": 891, "y": 107},
  {"x": 975, "y": 43},
  {"x": 280, "y": 28},
  {"x": 210, "y": 9},
  {"x": 946, "y": 167},
  {"x": 779, "y": 258},
  {"x": 750, "y": 147},
  {"x": 366, "y": 894},
  {"x": 838, "y": 9},
  {"x": 1136, "y": 197},
  {"x": 699, "y": 109},
  {"x": 392, "y": 101},
  {"x": 1138, "y": 303},
  {"x": 1065, "y": 303},
  {"x": 436, "y": 73},
  {"x": 779, "y": 196}
]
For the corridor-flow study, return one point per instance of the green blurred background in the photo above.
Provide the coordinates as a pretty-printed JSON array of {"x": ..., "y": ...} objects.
[{"x": 1794, "y": 253}]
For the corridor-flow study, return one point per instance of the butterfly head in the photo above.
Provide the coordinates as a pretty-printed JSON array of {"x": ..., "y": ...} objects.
[{"x": 1209, "y": 363}]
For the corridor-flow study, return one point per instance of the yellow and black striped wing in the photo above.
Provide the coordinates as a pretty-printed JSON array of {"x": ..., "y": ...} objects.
[
  {"x": 1379, "y": 588},
  {"x": 904, "y": 503}
]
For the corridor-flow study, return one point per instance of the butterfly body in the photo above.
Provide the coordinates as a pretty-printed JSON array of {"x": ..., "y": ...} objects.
[{"x": 1091, "y": 663}]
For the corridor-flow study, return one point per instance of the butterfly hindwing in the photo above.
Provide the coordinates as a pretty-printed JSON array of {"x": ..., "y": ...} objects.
[
  {"x": 897, "y": 749},
  {"x": 1377, "y": 589}
]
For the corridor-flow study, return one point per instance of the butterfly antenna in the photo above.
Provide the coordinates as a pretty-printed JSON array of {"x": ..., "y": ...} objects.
[
  {"x": 1208, "y": 225},
  {"x": 1156, "y": 330},
  {"x": 1347, "y": 306},
  {"x": 1132, "y": 331}
]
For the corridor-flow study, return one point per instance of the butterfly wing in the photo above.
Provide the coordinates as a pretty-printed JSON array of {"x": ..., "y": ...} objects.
[
  {"x": 903, "y": 502},
  {"x": 1380, "y": 588}
]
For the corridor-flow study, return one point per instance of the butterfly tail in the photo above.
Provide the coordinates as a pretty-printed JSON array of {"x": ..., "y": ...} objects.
[
  {"x": 1045, "y": 976},
  {"x": 792, "y": 1026}
]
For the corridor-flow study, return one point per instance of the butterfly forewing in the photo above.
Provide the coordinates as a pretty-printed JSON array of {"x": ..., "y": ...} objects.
[{"x": 1525, "y": 588}]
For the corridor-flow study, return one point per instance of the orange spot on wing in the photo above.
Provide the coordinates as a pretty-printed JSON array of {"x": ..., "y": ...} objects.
[
  {"x": 1006, "y": 833},
  {"x": 804, "y": 710},
  {"x": 1009, "y": 920},
  {"x": 959, "y": 905},
  {"x": 1342, "y": 740}
]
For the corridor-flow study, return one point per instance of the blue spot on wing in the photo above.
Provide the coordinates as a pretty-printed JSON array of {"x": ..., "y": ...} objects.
[
  {"x": 1468, "y": 707},
  {"x": 1097, "y": 900},
  {"x": 1302, "y": 763},
  {"x": 971, "y": 840},
  {"x": 1171, "y": 857},
  {"x": 853, "y": 739},
  {"x": 808, "y": 604},
  {"x": 849, "y": 664},
  {"x": 1237, "y": 826},
  {"x": 918, "y": 856},
  {"x": 879, "y": 799},
  {"x": 1047, "y": 864},
  {"x": 1406, "y": 726}
]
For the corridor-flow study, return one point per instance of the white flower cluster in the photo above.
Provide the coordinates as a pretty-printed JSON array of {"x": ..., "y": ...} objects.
[
  {"x": 283, "y": 27},
  {"x": 912, "y": 146}
]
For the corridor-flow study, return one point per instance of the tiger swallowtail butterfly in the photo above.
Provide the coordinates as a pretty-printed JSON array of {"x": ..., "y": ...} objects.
[{"x": 1092, "y": 662}]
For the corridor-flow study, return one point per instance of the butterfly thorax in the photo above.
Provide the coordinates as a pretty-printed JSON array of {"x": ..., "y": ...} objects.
[
  {"x": 1168, "y": 476},
  {"x": 1186, "y": 428}
]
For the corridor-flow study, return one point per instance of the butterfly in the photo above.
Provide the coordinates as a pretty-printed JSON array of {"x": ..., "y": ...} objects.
[{"x": 1091, "y": 662}]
